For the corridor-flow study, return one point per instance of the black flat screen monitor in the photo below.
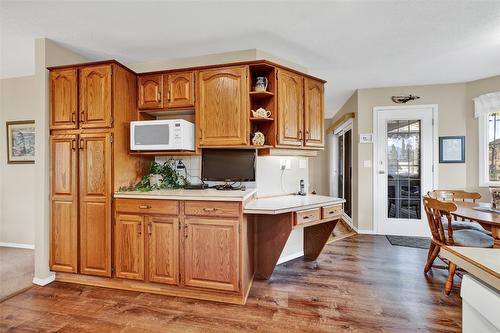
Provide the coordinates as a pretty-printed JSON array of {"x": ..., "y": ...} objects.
[{"x": 236, "y": 165}]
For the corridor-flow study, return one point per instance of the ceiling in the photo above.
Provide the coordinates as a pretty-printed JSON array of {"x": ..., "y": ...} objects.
[{"x": 351, "y": 44}]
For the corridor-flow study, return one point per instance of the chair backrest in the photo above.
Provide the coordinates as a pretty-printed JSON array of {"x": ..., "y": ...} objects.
[
  {"x": 436, "y": 210},
  {"x": 455, "y": 195}
]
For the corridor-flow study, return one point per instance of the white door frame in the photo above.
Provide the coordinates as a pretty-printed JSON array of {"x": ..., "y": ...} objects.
[
  {"x": 435, "y": 155},
  {"x": 345, "y": 126}
]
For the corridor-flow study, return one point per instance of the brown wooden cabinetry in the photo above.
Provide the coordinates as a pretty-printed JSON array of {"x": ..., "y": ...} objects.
[
  {"x": 64, "y": 203},
  {"x": 146, "y": 242},
  {"x": 64, "y": 98},
  {"x": 163, "y": 249},
  {"x": 179, "y": 90},
  {"x": 129, "y": 246},
  {"x": 95, "y": 96},
  {"x": 211, "y": 256},
  {"x": 223, "y": 118},
  {"x": 95, "y": 203},
  {"x": 313, "y": 113},
  {"x": 290, "y": 108},
  {"x": 150, "y": 88},
  {"x": 86, "y": 166}
]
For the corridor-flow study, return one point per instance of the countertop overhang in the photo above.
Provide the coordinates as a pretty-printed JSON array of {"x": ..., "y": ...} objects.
[
  {"x": 181, "y": 194},
  {"x": 289, "y": 203}
]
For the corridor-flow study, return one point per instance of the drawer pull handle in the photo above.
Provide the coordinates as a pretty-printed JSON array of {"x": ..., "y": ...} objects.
[
  {"x": 332, "y": 212},
  {"x": 144, "y": 206},
  {"x": 305, "y": 217},
  {"x": 209, "y": 209}
]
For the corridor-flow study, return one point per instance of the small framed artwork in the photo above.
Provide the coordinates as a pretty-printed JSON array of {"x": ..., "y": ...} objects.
[
  {"x": 452, "y": 149},
  {"x": 21, "y": 141}
]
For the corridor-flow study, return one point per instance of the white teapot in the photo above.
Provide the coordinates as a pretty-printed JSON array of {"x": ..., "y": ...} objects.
[{"x": 261, "y": 113}]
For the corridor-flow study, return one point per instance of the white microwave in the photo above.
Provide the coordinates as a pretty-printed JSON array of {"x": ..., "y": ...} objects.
[{"x": 168, "y": 134}]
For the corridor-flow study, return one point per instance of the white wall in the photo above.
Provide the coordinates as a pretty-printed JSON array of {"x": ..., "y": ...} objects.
[{"x": 18, "y": 101}]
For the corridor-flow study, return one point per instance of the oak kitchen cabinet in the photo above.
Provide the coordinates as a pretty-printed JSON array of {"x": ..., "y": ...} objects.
[
  {"x": 211, "y": 253},
  {"x": 290, "y": 108},
  {"x": 144, "y": 236},
  {"x": 223, "y": 111},
  {"x": 64, "y": 98},
  {"x": 314, "y": 113},
  {"x": 88, "y": 160},
  {"x": 166, "y": 91}
]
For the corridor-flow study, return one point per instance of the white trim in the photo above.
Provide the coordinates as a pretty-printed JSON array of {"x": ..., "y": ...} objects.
[
  {"x": 44, "y": 281},
  {"x": 435, "y": 148},
  {"x": 18, "y": 245},
  {"x": 343, "y": 126},
  {"x": 366, "y": 232},
  {"x": 347, "y": 219},
  {"x": 290, "y": 257},
  {"x": 483, "y": 152}
]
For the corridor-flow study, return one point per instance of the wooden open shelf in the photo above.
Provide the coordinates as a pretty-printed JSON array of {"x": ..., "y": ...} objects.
[
  {"x": 261, "y": 119},
  {"x": 261, "y": 94}
]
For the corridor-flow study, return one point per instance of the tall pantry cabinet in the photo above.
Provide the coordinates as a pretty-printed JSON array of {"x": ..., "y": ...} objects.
[{"x": 90, "y": 110}]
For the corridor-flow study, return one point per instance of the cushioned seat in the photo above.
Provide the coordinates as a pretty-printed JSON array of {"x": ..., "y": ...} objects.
[
  {"x": 464, "y": 225},
  {"x": 471, "y": 238}
]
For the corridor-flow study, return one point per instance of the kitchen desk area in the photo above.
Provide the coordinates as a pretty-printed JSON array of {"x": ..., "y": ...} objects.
[{"x": 207, "y": 244}]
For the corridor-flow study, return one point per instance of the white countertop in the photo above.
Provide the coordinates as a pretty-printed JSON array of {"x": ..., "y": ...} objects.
[
  {"x": 288, "y": 203},
  {"x": 181, "y": 194}
]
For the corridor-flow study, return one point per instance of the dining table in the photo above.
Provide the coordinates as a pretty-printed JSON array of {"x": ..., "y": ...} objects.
[{"x": 479, "y": 212}]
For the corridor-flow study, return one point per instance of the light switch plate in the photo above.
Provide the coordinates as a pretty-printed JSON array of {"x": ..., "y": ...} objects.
[{"x": 366, "y": 138}]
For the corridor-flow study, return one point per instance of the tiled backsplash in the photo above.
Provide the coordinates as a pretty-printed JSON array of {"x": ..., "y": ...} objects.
[{"x": 192, "y": 163}]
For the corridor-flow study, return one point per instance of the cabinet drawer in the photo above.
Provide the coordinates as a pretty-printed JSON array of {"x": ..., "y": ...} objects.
[
  {"x": 309, "y": 215},
  {"x": 212, "y": 208},
  {"x": 147, "y": 206},
  {"x": 331, "y": 211}
]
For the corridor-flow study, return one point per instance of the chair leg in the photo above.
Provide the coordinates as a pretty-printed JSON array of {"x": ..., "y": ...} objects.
[
  {"x": 433, "y": 253},
  {"x": 449, "y": 282}
]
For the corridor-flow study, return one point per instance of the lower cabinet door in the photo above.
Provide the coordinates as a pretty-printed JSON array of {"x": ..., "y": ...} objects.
[
  {"x": 212, "y": 253},
  {"x": 129, "y": 246},
  {"x": 163, "y": 249}
]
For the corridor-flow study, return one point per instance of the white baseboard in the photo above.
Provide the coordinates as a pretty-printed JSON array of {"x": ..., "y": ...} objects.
[
  {"x": 44, "y": 281},
  {"x": 18, "y": 245},
  {"x": 366, "y": 232},
  {"x": 290, "y": 257}
]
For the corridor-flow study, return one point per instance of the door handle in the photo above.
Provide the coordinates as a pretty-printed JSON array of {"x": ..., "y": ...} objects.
[
  {"x": 381, "y": 172},
  {"x": 149, "y": 229},
  {"x": 81, "y": 145},
  {"x": 73, "y": 144},
  {"x": 82, "y": 116},
  {"x": 73, "y": 117},
  {"x": 139, "y": 229}
]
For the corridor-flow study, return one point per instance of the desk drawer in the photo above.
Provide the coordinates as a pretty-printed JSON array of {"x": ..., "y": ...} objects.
[
  {"x": 212, "y": 208},
  {"x": 331, "y": 211},
  {"x": 309, "y": 215},
  {"x": 147, "y": 206}
]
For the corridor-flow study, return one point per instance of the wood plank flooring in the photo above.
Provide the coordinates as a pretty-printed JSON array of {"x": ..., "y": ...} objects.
[{"x": 358, "y": 284}]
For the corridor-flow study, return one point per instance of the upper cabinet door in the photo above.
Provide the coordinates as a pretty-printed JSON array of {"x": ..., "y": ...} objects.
[
  {"x": 180, "y": 90},
  {"x": 150, "y": 89},
  {"x": 64, "y": 203},
  {"x": 95, "y": 203},
  {"x": 314, "y": 113},
  {"x": 95, "y": 96},
  {"x": 163, "y": 245},
  {"x": 290, "y": 108},
  {"x": 63, "y": 99},
  {"x": 223, "y": 107}
]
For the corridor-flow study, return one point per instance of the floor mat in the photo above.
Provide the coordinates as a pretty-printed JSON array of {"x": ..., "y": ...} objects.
[{"x": 409, "y": 241}]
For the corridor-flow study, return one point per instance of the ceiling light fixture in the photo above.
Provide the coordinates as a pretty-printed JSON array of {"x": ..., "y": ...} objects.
[{"x": 404, "y": 99}]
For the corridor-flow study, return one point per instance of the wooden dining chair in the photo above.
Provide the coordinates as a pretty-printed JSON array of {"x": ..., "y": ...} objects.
[
  {"x": 437, "y": 211},
  {"x": 463, "y": 196}
]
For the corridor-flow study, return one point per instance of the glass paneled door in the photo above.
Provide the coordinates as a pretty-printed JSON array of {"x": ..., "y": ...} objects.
[{"x": 404, "y": 159}]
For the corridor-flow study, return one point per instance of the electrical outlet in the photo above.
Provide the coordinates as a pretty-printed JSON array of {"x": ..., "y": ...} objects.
[{"x": 282, "y": 164}]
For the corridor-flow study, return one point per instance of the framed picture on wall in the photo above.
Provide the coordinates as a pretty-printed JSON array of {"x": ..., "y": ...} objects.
[
  {"x": 21, "y": 141},
  {"x": 452, "y": 149}
]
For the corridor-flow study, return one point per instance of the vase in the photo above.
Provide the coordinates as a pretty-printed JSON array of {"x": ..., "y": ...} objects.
[{"x": 495, "y": 197}]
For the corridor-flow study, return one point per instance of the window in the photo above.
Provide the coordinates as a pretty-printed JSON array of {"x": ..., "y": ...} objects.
[{"x": 489, "y": 149}]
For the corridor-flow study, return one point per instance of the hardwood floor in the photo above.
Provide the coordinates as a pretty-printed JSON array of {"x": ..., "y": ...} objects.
[{"x": 358, "y": 284}]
